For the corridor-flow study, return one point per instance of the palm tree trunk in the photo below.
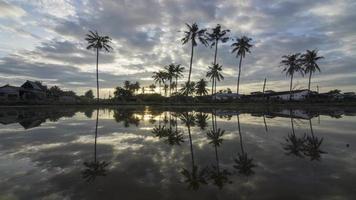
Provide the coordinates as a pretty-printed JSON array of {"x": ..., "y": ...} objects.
[
  {"x": 238, "y": 78},
  {"x": 176, "y": 84},
  {"x": 310, "y": 74},
  {"x": 191, "y": 62},
  {"x": 290, "y": 87},
  {"x": 216, "y": 51},
  {"x": 160, "y": 87},
  {"x": 264, "y": 121},
  {"x": 217, "y": 158},
  {"x": 212, "y": 87},
  {"x": 97, "y": 74},
  {"x": 170, "y": 87}
]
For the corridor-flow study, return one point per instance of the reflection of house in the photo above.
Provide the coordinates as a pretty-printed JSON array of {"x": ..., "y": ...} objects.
[{"x": 28, "y": 91}]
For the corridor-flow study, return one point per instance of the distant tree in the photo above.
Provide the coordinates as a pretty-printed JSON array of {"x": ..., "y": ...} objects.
[
  {"x": 178, "y": 73},
  {"x": 309, "y": 61},
  {"x": 240, "y": 47},
  {"x": 89, "y": 94},
  {"x": 336, "y": 91},
  {"x": 97, "y": 42},
  {"x": 55, "y": 92},
  {"x": 214, "y": 73},
  {"x": 170, "y": 74},
  {"x": 193, "y": 34},
  {"x": 122, "y": 93},
  {"x": 136, "y": 86},
  {"x": 159, "y": 77},
  {"x": 188, "y": 88},
  {"x": 200, "y": 87},
  {"x": 127, "y": 85},
  {"x": 291, "y": 64},
  {"x": 152, "y": 87}
]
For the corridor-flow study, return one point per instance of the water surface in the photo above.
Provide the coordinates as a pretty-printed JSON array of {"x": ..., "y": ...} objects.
[{"x": 175, "y": 153}]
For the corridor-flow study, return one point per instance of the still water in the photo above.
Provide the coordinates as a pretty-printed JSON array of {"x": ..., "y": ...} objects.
[{"x": 175, "y": 153}]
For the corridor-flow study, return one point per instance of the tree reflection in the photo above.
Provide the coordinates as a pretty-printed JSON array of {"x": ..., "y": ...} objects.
[
  {"x": 127, "y": 117},
  {"x": 95, "y": 168},
  {"x": 294, "y": 145},
  {"x": 201, "y": 120},
  {"x": 196, "y": 176},
  {"x": 219, "y": 177},
  {"x": 312, "y": 145},
  {"x": 244, "y": 164}
]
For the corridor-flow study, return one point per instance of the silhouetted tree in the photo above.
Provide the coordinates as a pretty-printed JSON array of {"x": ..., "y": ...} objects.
[
  {"x": 193, "y": 34},
  {"x": 200, "y": 87},
  {"x": 97, "y": 42},
  {"x": 214, "y": 73},
  {"x": 291, "y": 64},
  {"x": 309, "y": 60},
  {"x": 89, "y": 94},
  {"x": 240, "y": 47}
]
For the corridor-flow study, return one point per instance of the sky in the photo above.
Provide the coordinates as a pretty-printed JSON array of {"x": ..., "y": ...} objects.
[{"x": 44, "y": 40}]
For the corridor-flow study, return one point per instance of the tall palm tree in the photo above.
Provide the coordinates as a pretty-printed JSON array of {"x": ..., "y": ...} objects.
[
  {"x": 170, "y": 72},
  {"x": 309, "y": 60},
  {"x": 178, "y": 72},
  {"x": 97, "y": 42},
  {"x": 215, "y": 36},
  {"x": 214, "y": 73},
  {"x": 240, "y": 47},
  {"x": 200, "y": 87},
  {"x": 291, "y": 64},
  {"x": 193, "y": 34}
]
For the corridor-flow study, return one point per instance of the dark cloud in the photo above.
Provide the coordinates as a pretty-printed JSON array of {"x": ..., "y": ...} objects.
[{"x": 147, "y": 36}]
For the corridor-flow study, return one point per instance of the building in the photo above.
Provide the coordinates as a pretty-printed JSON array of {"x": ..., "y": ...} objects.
[
  {"x": 9, "y": 93},
  {"x": 226, "y": 96},
  {"x": 29, "y": 91}
]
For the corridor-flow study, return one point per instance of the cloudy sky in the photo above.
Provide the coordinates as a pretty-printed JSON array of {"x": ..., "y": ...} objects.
[{"x": 44, "y": 40}]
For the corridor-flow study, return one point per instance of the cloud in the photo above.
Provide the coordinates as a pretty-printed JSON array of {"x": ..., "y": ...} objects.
[
  {"x": 8, "y": 10},
  {"x": 146, "y": 36}
]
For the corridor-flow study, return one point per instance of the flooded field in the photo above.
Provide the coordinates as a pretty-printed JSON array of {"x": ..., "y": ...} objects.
[{"x": 175, "y": 153}]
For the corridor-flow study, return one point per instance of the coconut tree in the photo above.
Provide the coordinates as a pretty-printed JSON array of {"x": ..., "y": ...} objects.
[
  {"x": 188, "y": 88},
  {"x": 193, "y": 34},
  {"x": 178, "y": 73},
  {"x": 98, "y": 42},
  {"x": 291, "y": 64},
  {"x": 200, "y": 87},
  {"x": 214, "y": 73},
  {"x": 240, "y": 47},
  {"x": 215, "y": 36},
  {"x": 170, "y": 72},
  {"x": 159, "y": 77},
  {"x": 309, "y": 61}
]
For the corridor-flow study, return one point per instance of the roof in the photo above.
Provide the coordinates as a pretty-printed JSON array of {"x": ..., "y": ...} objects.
[
  {"x": 34, "y": 85},
  {"x": 9, "y": 86},
  {"x": 278, "y": 93}
]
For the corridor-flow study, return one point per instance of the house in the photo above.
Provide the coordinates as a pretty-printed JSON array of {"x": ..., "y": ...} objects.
[
  {"x": 226, "y": 96},
  {"x": 33, "y": 91},
  {"x": 9, "y": 93},
  {"x": 297, "y": 95}
]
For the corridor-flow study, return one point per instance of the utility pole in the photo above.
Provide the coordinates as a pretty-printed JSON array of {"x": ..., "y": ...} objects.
[
  {"x": 317, "y": 88},
  {"x": 264, "y": 86}
]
